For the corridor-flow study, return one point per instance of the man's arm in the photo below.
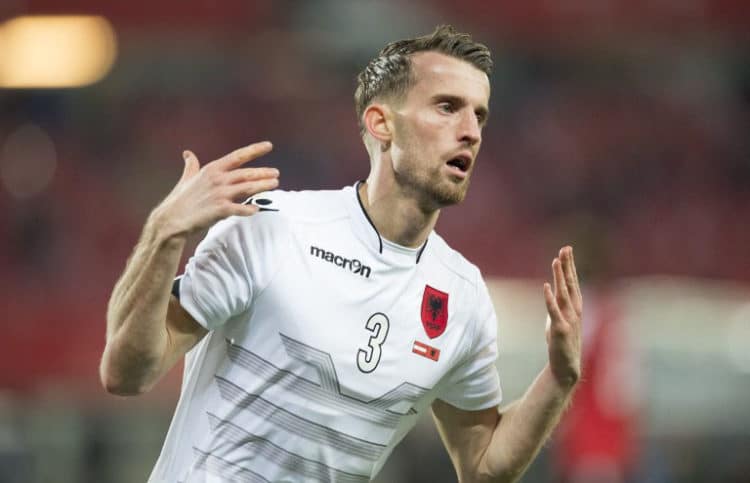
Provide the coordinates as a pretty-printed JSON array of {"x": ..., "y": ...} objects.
[
  {"x": 147, "y": 328},
  {"x": 498, "y": 446}
]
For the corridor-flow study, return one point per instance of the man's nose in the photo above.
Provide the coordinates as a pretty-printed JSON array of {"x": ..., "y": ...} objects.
[{"x": 470, "y": 132}]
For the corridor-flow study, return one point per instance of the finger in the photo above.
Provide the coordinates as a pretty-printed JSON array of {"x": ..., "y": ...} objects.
[
  {"x": 578, "y": 293},
  {"x": 552, "y": 309},
  {"x": 561, "y": 288},
  {"x": 237, "y": 158},
  {"x": 570, "y": 278},
  {"x": 575, "y": 272},
  {"x": 192, "y": 165},
  {"x": 250, "y": 188},
  {"x": 238, "y": 209},
  {"x": 251, "y": 174}
]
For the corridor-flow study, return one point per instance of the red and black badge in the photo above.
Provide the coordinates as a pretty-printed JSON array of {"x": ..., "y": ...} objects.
[
  {"x": 425, "y": 350},
  {"x": 434, "y": 311}
]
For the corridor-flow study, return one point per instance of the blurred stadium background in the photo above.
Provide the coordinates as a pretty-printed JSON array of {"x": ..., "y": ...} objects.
[{"x": 620, "y": 126}]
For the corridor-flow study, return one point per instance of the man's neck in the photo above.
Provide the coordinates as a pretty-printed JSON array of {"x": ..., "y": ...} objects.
[{"x": 397, "y": 218}]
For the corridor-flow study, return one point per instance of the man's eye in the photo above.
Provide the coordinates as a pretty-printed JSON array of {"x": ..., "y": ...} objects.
[{"x": 446, "y": 107}]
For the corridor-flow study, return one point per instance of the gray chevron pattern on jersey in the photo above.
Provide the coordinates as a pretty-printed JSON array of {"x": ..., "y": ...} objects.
[
  {"x": 403, "y": 392},
  {"x": 223, "y": 468},
  {"x": 294, "y": 424},
  {"x": 259, "y": 446},
  {"x": 323, "y": 364},
  {"x": 275, "y": 376},
  {"x": 318, "y": 360}
]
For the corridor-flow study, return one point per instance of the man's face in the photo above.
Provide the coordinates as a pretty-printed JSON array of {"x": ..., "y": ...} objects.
[{"x": 438, "y": 129}]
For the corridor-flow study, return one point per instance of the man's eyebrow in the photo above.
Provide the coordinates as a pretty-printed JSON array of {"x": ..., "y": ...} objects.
[{"x": 453, "y": 99}]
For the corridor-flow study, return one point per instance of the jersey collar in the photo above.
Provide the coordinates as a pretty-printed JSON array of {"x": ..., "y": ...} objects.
[{"x": 365, "y": 230}]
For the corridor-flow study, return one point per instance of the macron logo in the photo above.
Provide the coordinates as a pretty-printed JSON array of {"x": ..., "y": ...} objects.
[{"x": 354, "y": 266}]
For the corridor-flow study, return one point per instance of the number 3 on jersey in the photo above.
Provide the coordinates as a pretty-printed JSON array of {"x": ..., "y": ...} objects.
[{"x": 368, "y": 359}]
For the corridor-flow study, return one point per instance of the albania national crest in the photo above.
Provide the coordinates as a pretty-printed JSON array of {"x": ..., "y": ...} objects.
[{"x": 434, "y": 311}]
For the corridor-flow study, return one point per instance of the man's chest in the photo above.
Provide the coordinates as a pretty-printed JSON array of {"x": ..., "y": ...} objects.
[{"x": 361, "y": 328}]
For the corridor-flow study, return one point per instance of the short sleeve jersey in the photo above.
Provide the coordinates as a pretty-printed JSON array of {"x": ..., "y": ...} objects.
[{"x": 326, "y": 343}]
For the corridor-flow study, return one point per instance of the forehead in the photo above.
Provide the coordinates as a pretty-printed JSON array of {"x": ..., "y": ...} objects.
[{"x": 437, "y": 73}]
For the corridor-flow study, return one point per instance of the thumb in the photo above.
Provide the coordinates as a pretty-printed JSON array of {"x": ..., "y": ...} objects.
[{"x": 192, "y": 166}]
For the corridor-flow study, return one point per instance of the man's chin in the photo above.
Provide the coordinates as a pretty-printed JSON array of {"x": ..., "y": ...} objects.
[
  {"x": 435, "y": 193},
  {"x": 450, "y": 195}
]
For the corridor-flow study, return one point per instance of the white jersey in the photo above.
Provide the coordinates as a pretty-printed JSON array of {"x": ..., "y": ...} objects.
[{"x": 326, "y": 342}]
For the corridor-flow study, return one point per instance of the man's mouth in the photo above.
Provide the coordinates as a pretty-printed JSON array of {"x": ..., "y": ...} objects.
[{"x": 462, "y": 162}]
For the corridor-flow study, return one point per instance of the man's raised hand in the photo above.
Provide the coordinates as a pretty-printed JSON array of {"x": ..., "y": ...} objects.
[
  {"x": 205, "y": 195},
  {"x": 565, "y": 311}
]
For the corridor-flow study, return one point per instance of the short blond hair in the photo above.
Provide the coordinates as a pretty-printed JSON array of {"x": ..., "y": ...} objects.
[{"x": 389, "y": 75}]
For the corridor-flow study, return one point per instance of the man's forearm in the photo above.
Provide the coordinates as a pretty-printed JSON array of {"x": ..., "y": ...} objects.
[
  {"x": 524, "y": 427},
  {"x": 137, "y": 311}
]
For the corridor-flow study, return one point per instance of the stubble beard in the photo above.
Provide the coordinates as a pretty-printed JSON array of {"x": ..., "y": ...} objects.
[{"x": 432, "y": 189}]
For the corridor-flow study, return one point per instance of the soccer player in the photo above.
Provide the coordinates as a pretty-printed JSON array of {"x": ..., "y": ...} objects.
[{"x": 318, "y": 325}]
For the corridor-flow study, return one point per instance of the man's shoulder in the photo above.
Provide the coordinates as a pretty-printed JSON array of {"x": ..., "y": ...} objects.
[
  {"x": 448, "y": 258},
  {"x": 277, "y": 211},
  {"x": 306, "y": 205}
]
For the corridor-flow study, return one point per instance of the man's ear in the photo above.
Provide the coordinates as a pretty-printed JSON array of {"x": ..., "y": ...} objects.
[{"x": 378, "y": 122}]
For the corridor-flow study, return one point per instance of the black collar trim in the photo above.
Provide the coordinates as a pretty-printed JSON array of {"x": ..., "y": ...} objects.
[
  {"x": 380, "y": 239},
  {"x": 421, "y": 250}
]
